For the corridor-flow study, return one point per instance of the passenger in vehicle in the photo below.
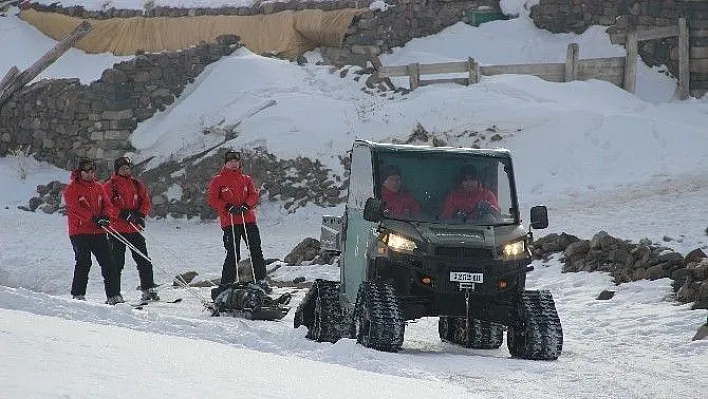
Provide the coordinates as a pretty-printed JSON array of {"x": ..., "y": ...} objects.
[
  {"x": 398, "y": 202},
  {"x": 469, "y": 199}
]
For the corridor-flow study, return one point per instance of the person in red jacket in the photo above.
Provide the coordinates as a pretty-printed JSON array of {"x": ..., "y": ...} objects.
[
  {"x": 232, "y": 194},
  {"x": 89, "y": 212},
  {"x": 469, "y": 198},
  {"x": 130, "y": 198},
  {"x": 399, "y": 203}
]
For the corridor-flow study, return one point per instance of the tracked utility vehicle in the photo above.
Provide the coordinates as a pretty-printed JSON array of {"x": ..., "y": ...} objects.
[{"x": 467, "y": 268}]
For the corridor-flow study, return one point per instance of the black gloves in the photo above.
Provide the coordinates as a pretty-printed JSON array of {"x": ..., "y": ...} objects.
[
  {"x": 102, "y": 221},
  {"x": 126, "y": 214},
  {"x": 233, "y": 209}
]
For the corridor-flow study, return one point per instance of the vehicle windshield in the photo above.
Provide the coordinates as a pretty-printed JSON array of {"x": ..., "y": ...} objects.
[{"x": 449, "y": 188}]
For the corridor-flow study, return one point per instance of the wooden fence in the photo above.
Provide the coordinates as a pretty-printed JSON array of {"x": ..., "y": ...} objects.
[{"x": 620, "y": 71}]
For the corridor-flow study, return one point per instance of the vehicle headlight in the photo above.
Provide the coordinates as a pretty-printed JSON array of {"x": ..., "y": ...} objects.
[
  {"x": 514, "y": 250},
  {"x": 400, "y": 243}
]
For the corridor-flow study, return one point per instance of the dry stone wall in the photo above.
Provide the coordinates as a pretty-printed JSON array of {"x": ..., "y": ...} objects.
[{"x": 62, "y": 119}]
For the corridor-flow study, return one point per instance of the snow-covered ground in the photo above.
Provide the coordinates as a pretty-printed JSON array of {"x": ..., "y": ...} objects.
[{"x": 599, "y": 157}]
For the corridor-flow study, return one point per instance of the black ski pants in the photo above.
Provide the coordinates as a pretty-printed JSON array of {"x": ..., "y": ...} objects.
[
  {"x": 84, "y": 245},
  {"x": 144, "y": 266},
  {"x": 228, "y": 273}
]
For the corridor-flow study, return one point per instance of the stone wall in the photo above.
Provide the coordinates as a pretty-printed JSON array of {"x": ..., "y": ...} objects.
[
  {"x": 62, "y": 119},
  {"x": 621, "y": 15},
  {"x": 376, "y": 32}
]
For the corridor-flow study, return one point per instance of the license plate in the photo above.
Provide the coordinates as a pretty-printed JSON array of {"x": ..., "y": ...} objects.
[{"x": 467, "y": 277}]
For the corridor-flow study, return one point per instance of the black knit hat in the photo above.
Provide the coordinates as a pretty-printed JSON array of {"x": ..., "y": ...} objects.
[
  {"x": 121, "y": 162},
  {"x": 390, "y": 171},
  {"x": 86, "y": 164},
  {"x": 231, "y": 154},
  {"x": 468, "y": 171}
]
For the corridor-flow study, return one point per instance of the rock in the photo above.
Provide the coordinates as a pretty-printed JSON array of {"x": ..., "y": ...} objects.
[
  {"x": 695, "y": 256},
  {"x": 702, "y": 332},
  {"x": 605, "y": 295}
]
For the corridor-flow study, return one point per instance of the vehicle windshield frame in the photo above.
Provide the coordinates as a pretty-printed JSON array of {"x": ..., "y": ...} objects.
[{"x": 493, "y": 165}]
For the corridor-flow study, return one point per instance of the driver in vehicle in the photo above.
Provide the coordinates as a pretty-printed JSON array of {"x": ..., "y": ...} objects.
[
  {"x": 398, "y": 203},
  {"x": 469, "y": 199}
]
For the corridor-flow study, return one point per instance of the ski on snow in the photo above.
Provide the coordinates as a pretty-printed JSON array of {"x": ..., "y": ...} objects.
[{"x": 140, "y": 305}]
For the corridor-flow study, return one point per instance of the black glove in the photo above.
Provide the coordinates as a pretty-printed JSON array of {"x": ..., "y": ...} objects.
[
  {"x": 101, "y": 221},
  {"x": 138, "y": 218},
  {"x": 126, "y": 214},
  {"x": 233, "y": 209}
]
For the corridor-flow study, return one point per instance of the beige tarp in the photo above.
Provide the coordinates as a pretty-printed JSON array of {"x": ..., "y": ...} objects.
[{"x": 288, "y": 33}]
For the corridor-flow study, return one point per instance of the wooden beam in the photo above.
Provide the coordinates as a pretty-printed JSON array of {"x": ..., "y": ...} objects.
[
  {"x": 376, "y": 62},
  {"x": 660, "y": 32},
  {"x": 393, "y": 71},
  {"x": 474, "y": 71},
  {"x": 414, "y": 75},
  {"x": 461, "y": 81},
  {"x": 524, "y": 69},
  {"x": 444, "y": 67},
  {"x": 684, "y": 77},
  {"x": 26, "y": 76},
  {"x": 630, "y": 65},
  {"x": 571, "y": 62},
  {"x": 10, "y": 75}
]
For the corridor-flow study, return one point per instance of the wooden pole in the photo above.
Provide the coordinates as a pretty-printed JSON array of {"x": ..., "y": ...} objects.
[
  {"x": 474, "y": 71},
  {"x": 414, "y": 75},
  {"x": 684, "y": 54},
  {"x": 376, "y": 62},
  {"x": 571, "y": 62},
  {"x": 630, "y": 63},
  {"x": 8, "y": 77},
  {"x": 26, "y": 76}
]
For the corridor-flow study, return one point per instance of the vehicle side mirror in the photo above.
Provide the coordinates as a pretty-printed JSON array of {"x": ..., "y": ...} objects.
[
  {"x": 373, "y": 210},
  {"x": 539, "y": 217}
]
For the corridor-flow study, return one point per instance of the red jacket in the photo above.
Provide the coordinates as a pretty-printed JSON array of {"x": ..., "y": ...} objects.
[
  {"x": 126, "y": 192},
  {"x": 84, "y": 200},
  {"x": 401, "y": 204},
  {"x": 234, "y": 188},
  {"x": 461, "y": 200}
]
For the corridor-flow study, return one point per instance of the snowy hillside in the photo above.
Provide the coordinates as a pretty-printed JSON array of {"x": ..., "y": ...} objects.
[{"x": 599, "y": 157}]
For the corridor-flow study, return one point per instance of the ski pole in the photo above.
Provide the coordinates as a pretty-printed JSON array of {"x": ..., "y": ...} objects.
[
  {"x": 248, "y": 247},
  {"x": 179, "y": 279},
  {"x": 115, "y": 234},
  {"x": 233, "y": 241}
]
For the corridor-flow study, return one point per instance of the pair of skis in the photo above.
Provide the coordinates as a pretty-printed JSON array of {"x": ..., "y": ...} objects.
[{"x": 140, "y": 305}]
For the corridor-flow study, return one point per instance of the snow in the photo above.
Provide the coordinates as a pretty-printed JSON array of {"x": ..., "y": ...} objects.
[
  {"x": 598, "y": 157},
  {"x": 23, "y": 44}
]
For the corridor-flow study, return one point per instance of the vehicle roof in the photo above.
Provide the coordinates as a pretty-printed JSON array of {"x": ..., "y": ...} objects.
[{"x": 489, "y": 152}]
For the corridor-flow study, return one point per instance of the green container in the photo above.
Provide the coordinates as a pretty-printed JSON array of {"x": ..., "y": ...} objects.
[{"x": 478, "y": 17}]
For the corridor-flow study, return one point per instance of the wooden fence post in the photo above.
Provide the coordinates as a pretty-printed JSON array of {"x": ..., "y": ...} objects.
[
  {"x": 571, "y": 62},
  {"x": 684, "y": 71},
  {"x": 21, "y": 79},
  {"x": 414, "y": 75},
  {"x": 630, "y": 63},
  {"x": 473, "y": 69}
]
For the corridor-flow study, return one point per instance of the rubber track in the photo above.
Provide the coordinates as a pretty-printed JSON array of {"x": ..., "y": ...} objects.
[
  {"x": 540, "y": 335},
  {"x": 481, "y": 335},
  {"x": 327, "y": 316},
  {"x": 387, "y": 324}
]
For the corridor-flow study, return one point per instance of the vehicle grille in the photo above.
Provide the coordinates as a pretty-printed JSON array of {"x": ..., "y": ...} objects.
[{"x": 464, "y": 253}]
